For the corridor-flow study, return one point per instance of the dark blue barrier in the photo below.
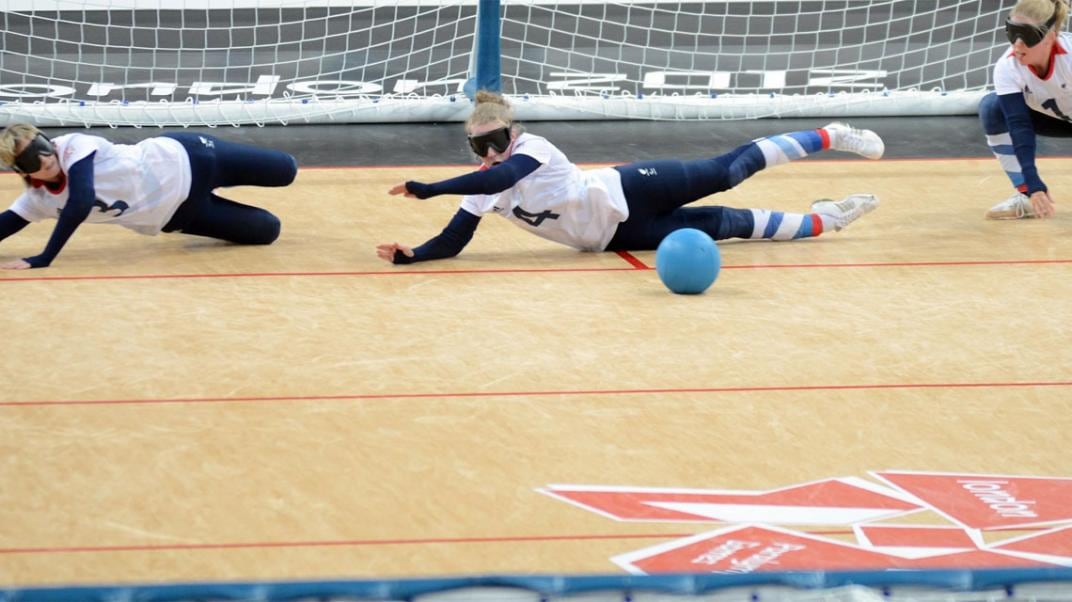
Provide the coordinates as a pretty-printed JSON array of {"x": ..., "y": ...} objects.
[{"x": 953, "y": 580}]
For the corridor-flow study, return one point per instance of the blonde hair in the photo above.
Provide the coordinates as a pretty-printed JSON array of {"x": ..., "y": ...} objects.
[
  {"x": 1042, "y": 10},
  {"x": 490, "y": 107},
  {"x": 9, "y": 140}
]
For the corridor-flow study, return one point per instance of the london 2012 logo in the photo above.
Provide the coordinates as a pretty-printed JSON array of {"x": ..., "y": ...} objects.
[{"x": 899, "y": 520}]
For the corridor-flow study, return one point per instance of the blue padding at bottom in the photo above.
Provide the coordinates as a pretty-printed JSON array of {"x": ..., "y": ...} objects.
[{"x": 406, "y": 589}]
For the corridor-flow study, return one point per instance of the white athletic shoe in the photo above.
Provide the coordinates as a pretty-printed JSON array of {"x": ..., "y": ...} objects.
[
  {"x": 1018, "y": 206},
  {"x": 849, "y": 139},
  {"x": 847, "y": 210}
]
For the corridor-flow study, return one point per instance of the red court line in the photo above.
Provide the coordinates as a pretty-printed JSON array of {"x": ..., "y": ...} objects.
[
  {"x": 357, "y": 542},
  {"x": 902, "y": 264},
  {"x": 331, "y": 543},
  {"x": 635, "y": 264},
  {"x": 564, "y": 393},
  {"x": 377, "y": 542},
  {"x": 640, "y": 265}
]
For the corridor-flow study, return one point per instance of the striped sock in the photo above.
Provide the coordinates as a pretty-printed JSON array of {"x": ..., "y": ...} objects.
[
  {"x": 784, "y": 148},
  {"x": 1001, "y": 146},
  {"x": 777, "y": 225}
]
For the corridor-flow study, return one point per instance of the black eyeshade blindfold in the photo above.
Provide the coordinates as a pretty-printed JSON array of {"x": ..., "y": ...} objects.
[
  {"x": 29, "y": 160},
  {"x": 498, "y": 139},
  {"x": 1030, "y": 34}
]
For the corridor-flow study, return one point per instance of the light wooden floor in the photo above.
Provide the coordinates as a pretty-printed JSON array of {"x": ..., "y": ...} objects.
[{"x": 177, "y": 409}]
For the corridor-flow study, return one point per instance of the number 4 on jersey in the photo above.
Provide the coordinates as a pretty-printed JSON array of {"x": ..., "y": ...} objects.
[
  {"x": 120, "y": 206},
  {"x": 534, "y": 219}
]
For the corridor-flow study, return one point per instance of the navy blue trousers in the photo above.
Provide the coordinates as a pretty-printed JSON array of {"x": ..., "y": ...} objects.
[
  {"x": 216, "y": 163},
  {"x": 656, "y": 192},
  {"x": 993, "y": 120}
]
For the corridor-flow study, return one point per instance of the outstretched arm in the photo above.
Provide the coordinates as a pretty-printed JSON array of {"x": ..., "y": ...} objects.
[
  {"x": 1022, "y": 132},
  {"x": 81, "y": 195},
  {"x": 10, "y": 223},
  {"x": 488, "y": 181},
  {"x": 448, "y": 243}
]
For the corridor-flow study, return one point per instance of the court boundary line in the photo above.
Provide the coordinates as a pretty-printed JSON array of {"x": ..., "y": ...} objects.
[
  {"x": 632, "y": 260},
  {"x": 336, "y": 543},
  {"x": 362, "y": 542},
  {"x": 562, "y": 393},
  {"x": 634, "y": 265}
]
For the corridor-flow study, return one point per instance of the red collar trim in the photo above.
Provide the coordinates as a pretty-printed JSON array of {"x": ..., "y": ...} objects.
[
  {"x": 1054, "y": 51},
  {"x": 53, "y": 187}
]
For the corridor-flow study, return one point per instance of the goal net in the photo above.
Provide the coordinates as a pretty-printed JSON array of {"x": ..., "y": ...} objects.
[{"x": 232, "y": 62}]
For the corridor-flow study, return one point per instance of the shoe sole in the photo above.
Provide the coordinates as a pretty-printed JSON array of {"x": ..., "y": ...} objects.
[
  {"x": 1006, "y": 215},
  {"x": 873, "y": 157},
  {"x": 864, "y": 209}
]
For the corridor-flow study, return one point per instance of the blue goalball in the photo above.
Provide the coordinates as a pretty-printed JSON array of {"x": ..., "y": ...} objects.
[{"x": 687, "y": 261}]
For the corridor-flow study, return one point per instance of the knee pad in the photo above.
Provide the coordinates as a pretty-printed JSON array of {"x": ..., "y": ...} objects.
[
  {"x": 991, "y": 115},
  {"x": 294, "y": 169},
  {"x": 268, "y": 231},
  {"x": 262, "y": 231}
]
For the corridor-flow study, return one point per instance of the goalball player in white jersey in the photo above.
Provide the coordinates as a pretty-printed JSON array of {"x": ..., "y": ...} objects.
[
  {"x": 1032, "y": 96},
  {"x": 527, "y": 180},
  {"x": 161, "y": 184}
]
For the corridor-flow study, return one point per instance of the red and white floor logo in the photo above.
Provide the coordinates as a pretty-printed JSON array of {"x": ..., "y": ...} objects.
[{"x": 979, "y": 508}]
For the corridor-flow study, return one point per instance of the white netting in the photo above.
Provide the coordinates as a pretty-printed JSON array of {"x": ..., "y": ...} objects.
[
  {"x": 192, "y": 62},
  {"x": 742, "y": 59}
]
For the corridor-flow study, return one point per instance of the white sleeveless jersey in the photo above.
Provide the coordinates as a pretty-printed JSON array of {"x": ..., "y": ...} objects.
[
  {"x": 1048, "y": 93},
  {"x": 137, "y": 186},
  {"x": 558, "y": 201}
]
